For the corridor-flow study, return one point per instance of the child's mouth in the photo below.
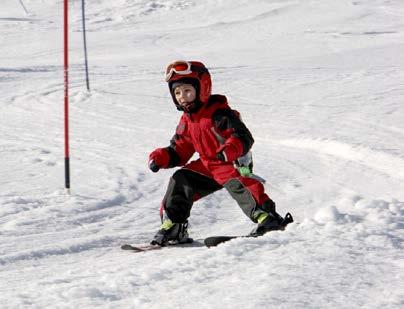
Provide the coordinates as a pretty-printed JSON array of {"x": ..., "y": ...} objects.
[{"x": 187, "y": 105}]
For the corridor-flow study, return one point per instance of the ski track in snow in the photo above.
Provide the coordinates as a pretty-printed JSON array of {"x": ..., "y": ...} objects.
[
  {"x": 319, "y": 84},
  {"x": 377, "y": 160}
]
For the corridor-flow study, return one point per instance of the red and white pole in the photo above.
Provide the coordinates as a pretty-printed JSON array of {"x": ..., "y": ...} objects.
[{"x": 66, "y": 92}]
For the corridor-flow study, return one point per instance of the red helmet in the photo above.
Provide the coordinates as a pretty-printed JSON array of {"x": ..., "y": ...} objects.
[{"x": 190, "y": 71}]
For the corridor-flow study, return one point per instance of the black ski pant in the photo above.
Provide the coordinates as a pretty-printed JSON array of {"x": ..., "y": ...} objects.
[{"x": 187, "y": 186}]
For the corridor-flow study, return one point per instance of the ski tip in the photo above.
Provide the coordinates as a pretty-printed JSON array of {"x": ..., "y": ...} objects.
[
  {"x": 288, "y": 219},
  {"x": 140, "y": 248},
  {"x": 135, "y": 248}
]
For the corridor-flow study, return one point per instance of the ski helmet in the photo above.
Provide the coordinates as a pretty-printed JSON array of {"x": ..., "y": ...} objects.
[{"x": 189, "y": 72}]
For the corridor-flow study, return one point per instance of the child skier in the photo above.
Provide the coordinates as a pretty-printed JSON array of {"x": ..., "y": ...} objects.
[{"x": 211, "y": 128}]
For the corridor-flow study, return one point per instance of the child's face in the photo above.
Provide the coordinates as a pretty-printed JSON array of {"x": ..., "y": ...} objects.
[{"x": 185, "y": 95}]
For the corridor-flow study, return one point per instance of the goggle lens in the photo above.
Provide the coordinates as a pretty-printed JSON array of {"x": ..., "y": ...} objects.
[{"x": 179, "y": 67}]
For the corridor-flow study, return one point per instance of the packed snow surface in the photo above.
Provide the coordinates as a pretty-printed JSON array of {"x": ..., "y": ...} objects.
[{"x": 320, "y": 84}]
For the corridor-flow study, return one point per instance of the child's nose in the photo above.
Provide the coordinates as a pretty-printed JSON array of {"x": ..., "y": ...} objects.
[{"x": 181, "y": 97}]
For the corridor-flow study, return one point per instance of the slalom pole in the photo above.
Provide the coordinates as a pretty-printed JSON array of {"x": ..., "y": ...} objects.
[
  {"x": 85, "y": 42},
  {"x": 25, "y": 9},
  {"x": 66, "y": 99}
]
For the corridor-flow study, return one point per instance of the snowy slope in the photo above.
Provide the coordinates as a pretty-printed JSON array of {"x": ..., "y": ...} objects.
[{"x": 320, "y": 84}]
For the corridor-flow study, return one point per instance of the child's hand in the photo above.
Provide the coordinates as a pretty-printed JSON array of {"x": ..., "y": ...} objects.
[
  {"x": 159, "y": 158},
  {"x": 230, "y": 151},
  {"x": 153, "y": 166}
]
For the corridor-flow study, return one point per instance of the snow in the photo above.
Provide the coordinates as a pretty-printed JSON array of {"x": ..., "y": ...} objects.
[{"x": 320, "y": 84}]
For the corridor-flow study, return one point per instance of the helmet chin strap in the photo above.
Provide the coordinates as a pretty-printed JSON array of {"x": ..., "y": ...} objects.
[{"x": 196, "y": 105}]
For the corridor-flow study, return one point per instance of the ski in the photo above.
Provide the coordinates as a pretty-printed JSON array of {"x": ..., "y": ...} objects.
[
  {"x": 150, "y": 247},
  {"x": 140, "y": 248},
  {"x": 213, "y": 241}
]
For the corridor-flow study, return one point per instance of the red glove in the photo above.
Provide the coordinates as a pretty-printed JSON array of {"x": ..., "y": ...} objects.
[
  {"x": 231, "y": 150},
  {"x": 159, "y": 158}
]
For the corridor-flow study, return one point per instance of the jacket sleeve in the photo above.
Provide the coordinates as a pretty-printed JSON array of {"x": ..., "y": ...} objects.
[
  {"x": 233, "y": 130},
  {"x": 181, "y": 149}
]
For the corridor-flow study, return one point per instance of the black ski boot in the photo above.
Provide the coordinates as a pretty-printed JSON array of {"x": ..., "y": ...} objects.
[
  {"x": 271, "y": 221},
  {"x": 172, "y": 233}
]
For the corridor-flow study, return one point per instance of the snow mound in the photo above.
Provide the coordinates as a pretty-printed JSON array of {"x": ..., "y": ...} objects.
[
  {"x": 377, "y": 212},
  {"x": 375, "y": 223},
  {"x": 328, "y": 214}
]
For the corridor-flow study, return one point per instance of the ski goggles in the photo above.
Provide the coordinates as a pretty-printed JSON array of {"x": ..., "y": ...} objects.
[
  {"x": 178, "y": 67},
  {"x": 184, "y": 68}
]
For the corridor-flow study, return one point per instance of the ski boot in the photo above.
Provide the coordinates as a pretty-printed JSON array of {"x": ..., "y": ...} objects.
[
  {"x": 172, "y": 233},
  {"x": 271, "y": 221}
]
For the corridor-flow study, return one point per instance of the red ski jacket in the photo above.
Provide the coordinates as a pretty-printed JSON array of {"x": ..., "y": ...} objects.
[{"x": 214, "y": 126}]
